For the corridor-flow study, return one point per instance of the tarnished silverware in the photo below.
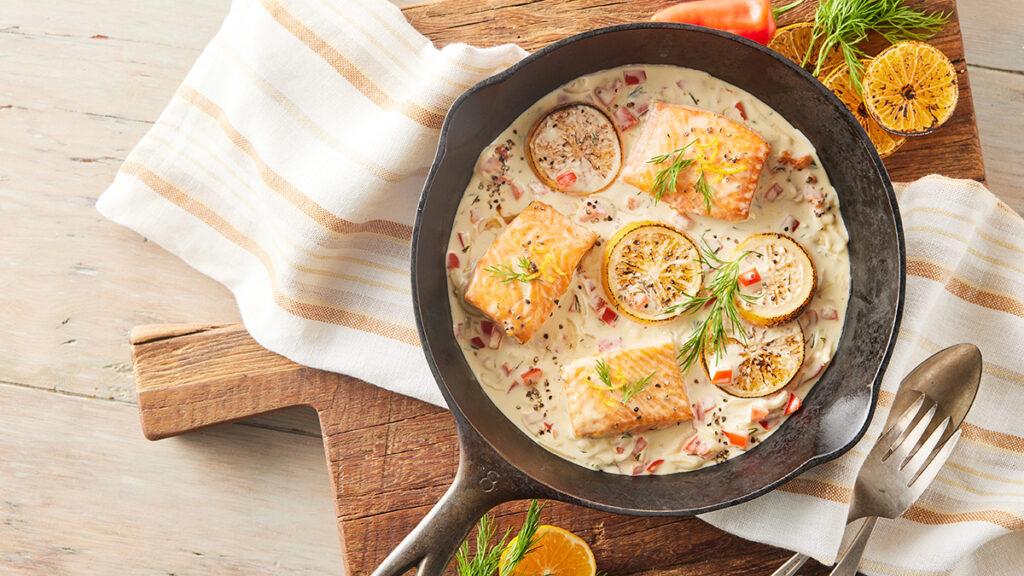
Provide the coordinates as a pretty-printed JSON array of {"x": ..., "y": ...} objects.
[{"x": 919, "y": 434}]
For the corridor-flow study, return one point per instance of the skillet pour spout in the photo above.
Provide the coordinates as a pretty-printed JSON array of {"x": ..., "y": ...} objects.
[{"x": 498, "y": 462}]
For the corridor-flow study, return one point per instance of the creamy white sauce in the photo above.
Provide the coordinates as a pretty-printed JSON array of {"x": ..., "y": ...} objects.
[{"x": 503, "y": 184}]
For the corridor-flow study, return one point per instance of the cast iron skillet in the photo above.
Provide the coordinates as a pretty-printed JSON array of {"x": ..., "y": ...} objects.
[{"x": 498, "y": 462}]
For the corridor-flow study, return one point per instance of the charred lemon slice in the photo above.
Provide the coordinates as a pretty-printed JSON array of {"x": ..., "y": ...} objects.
[
  {"x": 839, "y": 82},
  {"x": 794, "y": 41},
  {"x": 910, "y": 89},
  {"x": 649, "y": 268},
  {"x": 575, "y": 149},
  {"x": 767, "y": 361},
  {"x": 776, "y": 279}
]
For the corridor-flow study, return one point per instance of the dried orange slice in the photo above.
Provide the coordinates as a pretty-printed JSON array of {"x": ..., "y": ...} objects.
[
  {"x": 776, "y": 277},
  {"x": 910, "y": 88},
  {"x": 793, "y": 42},
  {"x": 556, "y": 551},
  {"x": 575, "y": 149},
  {"x": 839, "y": 82},
  {"x": 648, "y": 268},
  {"x": 768, "y": 360}
]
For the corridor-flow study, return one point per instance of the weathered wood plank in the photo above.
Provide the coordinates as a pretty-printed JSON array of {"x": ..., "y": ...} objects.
[
  {"x": 1000, "y": 98},
  {"x": 391, "y": 457},
  {"x": 82, "y": 492}
]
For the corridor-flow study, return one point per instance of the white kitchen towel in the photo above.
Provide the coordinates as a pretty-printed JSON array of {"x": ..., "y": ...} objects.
[{"x": 288, "y": 165}]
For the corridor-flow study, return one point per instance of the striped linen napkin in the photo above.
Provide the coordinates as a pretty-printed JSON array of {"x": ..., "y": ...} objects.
[{"x": 288, "y": 165}]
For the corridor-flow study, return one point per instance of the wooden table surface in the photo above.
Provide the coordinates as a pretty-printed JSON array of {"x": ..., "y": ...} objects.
[{"x": 81, "y": 491}]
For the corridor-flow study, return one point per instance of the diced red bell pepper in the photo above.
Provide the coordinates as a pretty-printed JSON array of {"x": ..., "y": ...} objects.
[
  {"x": 742, "y": 109},
  {"x": 737, "y": 439},
  {"x": 653, "y": 466},
  {"x": 453, "y": 261},
  {"x": 793, "y": 404},
  {"x": 624, "y": 119},
  {"x": 748, "y": 18},
  {"x": 476, "y": 342},
  {"x": 634, "y": 76},
  {"x": 722, "y": 377},
  {"x": 609, "y": 316},
  {"x": 531, "y": 376},
  {"x": 566, "y": 179},
  {"x": 758, "y": 413},
  {"x": 750, "y": 277}
]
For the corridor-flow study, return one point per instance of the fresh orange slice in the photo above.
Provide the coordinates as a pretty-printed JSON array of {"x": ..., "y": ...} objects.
[
  {"x": 556, "y": 552},
  {"x": 793, "y": 42},
  {"x": 839, "y": 82},
  {"x": 769, "y": 360},
  {"x": 910, "y": 88},
  {"x": 648, "y": 268}
]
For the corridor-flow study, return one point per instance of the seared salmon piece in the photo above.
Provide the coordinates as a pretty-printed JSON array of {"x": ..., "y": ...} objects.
[
  {"x": 519, "y": 279},
  {"x": 597, "y": 411},
  {"x": 729, "y": 154}
]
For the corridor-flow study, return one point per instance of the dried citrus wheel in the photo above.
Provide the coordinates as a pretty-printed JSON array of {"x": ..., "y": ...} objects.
[
  {"x": 649, "y": 268},
  {"x": 839, "y": 82},
  {"x": 575, "y": 149},
  {"x": 910, "y": 88},
  {"x": 556, "y": 551},
  {"x": 794, "y": 40},
  {"x": 776, "y": 279},
  {"x": 768, "y": 360}
]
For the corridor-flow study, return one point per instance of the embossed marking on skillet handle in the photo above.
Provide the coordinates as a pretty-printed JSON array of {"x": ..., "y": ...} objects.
[{"x": 484, "y": 480}]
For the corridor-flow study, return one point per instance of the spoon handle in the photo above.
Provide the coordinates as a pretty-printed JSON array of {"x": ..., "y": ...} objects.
[
  {"x": 791, "y": 566},
  {"x": 848, "y": 563}
]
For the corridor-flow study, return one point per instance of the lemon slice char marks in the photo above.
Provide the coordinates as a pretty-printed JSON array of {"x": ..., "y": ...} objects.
[
  {"x": 911, "y": 88},
  {"x": 768, "y": 361},
  {"x": 793, "y": 42},
  {"x": 575, "y": 149},
  {"x": 649, "y": 267},
  {"x": 839, "y": 82},
  {"x": 787, "y": 279}
]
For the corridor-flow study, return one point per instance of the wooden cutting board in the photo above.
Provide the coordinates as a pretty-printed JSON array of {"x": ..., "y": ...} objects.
[{"x": 391, "y": 457}]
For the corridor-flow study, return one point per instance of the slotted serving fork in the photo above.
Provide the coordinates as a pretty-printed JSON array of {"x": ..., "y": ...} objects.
[{"x": 919, "y": 435}]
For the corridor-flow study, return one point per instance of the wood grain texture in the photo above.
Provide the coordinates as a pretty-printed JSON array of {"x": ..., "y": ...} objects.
[
  {"x": 81, "y": 81},
  {"x": 390, "y": 457},
  {"x": 954, "y": 150}
]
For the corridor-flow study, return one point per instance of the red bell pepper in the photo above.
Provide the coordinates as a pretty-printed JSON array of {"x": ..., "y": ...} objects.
[{"x": 751, "y": 19}]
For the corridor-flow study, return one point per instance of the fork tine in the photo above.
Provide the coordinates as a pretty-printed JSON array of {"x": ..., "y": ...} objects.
[
  {"x": 917, "y": 461},
  {"x": 902, "y": 451},
  {"x": 931, "y": 470},
  {"x": 898, "y": 430}
]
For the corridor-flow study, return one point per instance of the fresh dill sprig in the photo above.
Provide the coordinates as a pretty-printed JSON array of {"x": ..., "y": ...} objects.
[
  {"x": 713, "y": 331},
  {"x": 524, "y": 541},
  {"x": 705, "y": 190},
  {"x": 628, "y": 389},
  {"x": 665, "y": 179},
  {"x": 634, "y": 388},
  {"x": 527, "y": 271},
  {"x": 780, "y": 10},
  {"x": 843, "y": 24},
  {"x": 486, "y": 560}
]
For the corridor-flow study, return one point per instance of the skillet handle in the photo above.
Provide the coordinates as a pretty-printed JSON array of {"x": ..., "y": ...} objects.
[{"x": 484, "y": 480}]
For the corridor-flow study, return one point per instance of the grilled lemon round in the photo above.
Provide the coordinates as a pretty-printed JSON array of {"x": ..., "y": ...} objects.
[
  {"x": 839, "y": 82},
  {"x": 910, "y": 88},
  {"x": 793, "y": 42},
  {"x": 768, "y": 360},
  {"x": 575, "y": 149},
  {"x": 557, "y": 551},
  {"x": 648, "y": 268},
  {"x": 781, "y": 279}
]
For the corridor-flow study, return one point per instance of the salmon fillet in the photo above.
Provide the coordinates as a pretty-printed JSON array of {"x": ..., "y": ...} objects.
[
  {"x": 550, "y": 246},
  {"x": 729, "y": 154},
  {"x": 597, "y": 413}
]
